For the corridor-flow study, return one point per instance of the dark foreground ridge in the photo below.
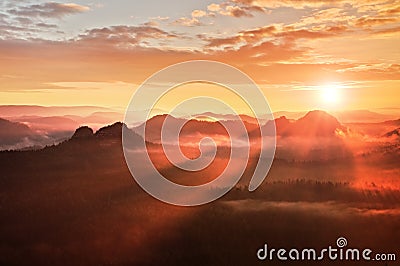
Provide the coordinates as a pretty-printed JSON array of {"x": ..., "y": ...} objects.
[{"x": 77, "y": 204}]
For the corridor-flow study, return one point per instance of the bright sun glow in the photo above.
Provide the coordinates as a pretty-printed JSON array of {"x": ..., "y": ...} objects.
[{"x": 330, "y": 93}]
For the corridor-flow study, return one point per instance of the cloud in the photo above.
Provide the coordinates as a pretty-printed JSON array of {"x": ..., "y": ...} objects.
[
  {"x": 379, "y": 6},
  {"x": 46, "y": 25},
  {"x": 391, "y": 10},
  {"x": 117, "y": 85},
  {"x": 326, "y": 16},
  {"x": 383, "y": 68},
  {"x": 214, "y": 7},
  {"x": 388, "y": 31},
  {"x": 331, "y": 18},
  {"x": 272, "y": 4},
  {"x": 263, "y": 53},
  {"x": 134, "y": 65},
  {"x": 236, "y": 11},
  {"x": 48, "y": 10},
  {"x": 124, "y": 35},
  {"x": 151, "y": 24},
  {"x": 296, "y": 4},
  {"x": 229, "y": 8},
  {"x": 263, "y": 31},
  {"x": 194, "y": 20},
  {"x": 99, "y": 60},
  {"x": 275, "y": 32},
  {"x": 375, "y": 21},
  {"x": 377, "y": 14},
  {"x": 189, "y": 22},
  {"x": 156, "y": 21},
  {"x": 273, "y": 48},
  {"x": 242, "y": 37},
  {"x": 311, "y": 34},
  {"x": 198, "y": 13},
  {"x": 9, "y": 31},
  {"x": 22, "y": 20},
  {"x": 159, "y": 18},
  {"x": 229, "y": 41},
  {"x": 359, "y": 5}
]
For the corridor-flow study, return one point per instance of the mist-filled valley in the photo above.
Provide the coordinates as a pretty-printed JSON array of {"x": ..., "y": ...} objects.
[{"x": 77, "y": 203}]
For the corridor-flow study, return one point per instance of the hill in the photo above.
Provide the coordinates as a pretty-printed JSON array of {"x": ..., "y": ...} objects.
[{"x": 13, "y": 132}]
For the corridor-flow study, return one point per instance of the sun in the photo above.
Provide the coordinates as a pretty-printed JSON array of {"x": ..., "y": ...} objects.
[{"x": 331, "y": 94}]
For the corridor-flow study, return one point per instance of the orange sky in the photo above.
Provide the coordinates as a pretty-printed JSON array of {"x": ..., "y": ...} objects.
[{"x": 88, "y": 53}]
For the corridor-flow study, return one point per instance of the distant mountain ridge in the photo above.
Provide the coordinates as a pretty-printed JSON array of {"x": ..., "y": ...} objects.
[
  {"x": 13, "y": 130},
  {"x": 36, "y": 110},
  {"x": 314, "y": 124},
  {"x": 15, "y": 135},
  {"x": 392, "y": 133},
  {"x": 111, "y": 133},
  {"x": 362, "y": 116}
]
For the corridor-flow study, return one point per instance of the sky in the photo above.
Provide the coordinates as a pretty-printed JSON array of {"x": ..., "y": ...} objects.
[{"x": 315, "y": 54}]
